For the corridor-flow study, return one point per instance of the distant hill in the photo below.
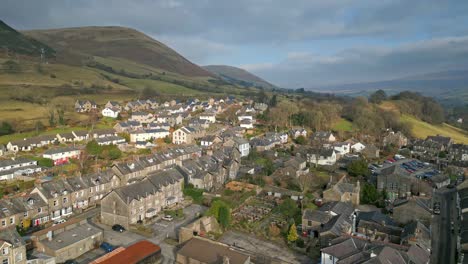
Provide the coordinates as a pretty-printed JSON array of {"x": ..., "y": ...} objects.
[
  {"x": 238, "y": 76},
  {"x": 75, "y": 45},
  {"x": 448, "y": 87},
  {"x": 18, "y": 44}
]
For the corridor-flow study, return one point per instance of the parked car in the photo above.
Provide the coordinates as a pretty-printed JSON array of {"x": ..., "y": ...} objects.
[
  {"x": 70, "y": 261},
  {"x": 118, "y": 228},
  {"x": 168, "y": 218},
  {"x": 58, "y": 222},
  {"x": 107, "y": 247}
]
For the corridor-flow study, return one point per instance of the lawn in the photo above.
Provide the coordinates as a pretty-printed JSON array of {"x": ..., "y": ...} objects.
[
  {"x": 343, "y": 125},
  {"x": 422, "y": 129}
]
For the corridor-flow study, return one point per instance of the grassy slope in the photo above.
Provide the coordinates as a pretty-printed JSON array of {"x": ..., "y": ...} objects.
[
  {"x": 343, "y": 125},
  {"x": 422, "y": 129},
  {"x": 115, "y": 42},
  {"x": 238, "y": 75}
]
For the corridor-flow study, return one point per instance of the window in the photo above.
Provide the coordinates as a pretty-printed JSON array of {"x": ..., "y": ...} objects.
[
  {"x": 25, "y": 214},
  {"x": 55, "y": 203},
  {"x": 39, "y": 210},
  {"x": 12, "y": 220},
  {"x": 65, "y": 200},
  {"x": 5, "y": 251}
]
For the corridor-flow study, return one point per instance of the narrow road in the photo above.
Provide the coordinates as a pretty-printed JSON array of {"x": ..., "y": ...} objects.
[{"x": 445, "y": 227}]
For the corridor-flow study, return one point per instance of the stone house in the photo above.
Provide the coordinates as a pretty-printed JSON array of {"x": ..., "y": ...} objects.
[
  {"x": 395, "y": 181},
  {"x": 15, "y": 211},
  {"x": 240, "y": 143},
  {"x": 142, "y": 200},
  {"x": 396, "y": 139},
  {"x": 343, "y": 191},
  {"x": 323, "y": 136},
  {"x": 85, "y": 106},
  {"x": 187, "y": 135},
  {"x": 12, "y": 247},
  {"x": 68, "y": 240}
]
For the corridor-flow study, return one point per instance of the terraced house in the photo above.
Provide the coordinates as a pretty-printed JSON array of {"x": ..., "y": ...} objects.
[
  {"x": 142, "y": 200},
  {"x": 27, "y": 210},
  {"x": 12, "y": 247}
]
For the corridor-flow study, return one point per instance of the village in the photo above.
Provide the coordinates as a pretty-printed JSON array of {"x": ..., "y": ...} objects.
[{"x": 190, "y": 181}]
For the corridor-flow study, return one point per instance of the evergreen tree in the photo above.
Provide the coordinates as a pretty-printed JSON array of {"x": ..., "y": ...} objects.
[{"x": 292, "y": 234}]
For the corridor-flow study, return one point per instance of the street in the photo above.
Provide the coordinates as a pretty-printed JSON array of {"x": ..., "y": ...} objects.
[{"x": 445, "y": 227}]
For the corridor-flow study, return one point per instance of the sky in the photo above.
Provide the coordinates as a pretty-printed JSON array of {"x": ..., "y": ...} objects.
[{"x": 297, "y": 43}]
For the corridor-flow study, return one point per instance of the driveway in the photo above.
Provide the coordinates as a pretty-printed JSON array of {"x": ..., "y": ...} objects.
[{"x": 164, "y": 229}]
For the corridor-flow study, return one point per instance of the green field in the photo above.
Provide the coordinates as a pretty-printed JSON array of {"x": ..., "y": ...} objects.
[
  {"x": 422, "y": 129},
  {"x": 343, "y": 125}
]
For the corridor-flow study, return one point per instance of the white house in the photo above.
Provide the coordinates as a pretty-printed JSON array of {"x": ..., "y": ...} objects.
[
  {"x": 322, "y": 157},
  {"x": 148, "y": 134},
  {"x": 211, "y": 117},
  {"x": 243, "y": 146},
  {"x": 112, "y": 112},
  {"x": 357, "y": 147},
  {"x": 62, "y": 155},
  {"x": 246, "y": 123},
  {"x": 342, "y": 148},
  {"x": 295, "y": 133},
  {"x": 9, "y": 169},
  {"x": 245, "y": 116},
  {"x": 110, "y": 140}
]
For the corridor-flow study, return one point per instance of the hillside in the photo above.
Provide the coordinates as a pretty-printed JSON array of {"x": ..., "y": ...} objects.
[
  {"x": 238, "y": 76},
  {"x": 15, "y": 43},
  {"x": 77, "y": 45},
  {"x": 422, "y": 129}
]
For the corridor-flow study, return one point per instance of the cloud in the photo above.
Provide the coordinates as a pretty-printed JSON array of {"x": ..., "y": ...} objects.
[
  {"x": 195, "y": 48},
  {"x": 367, "y": 63},
  {"x": 321, "y": 41}
]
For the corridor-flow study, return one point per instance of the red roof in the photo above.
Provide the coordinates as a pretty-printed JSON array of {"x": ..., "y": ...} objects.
[{"x": 133, "y": 253}]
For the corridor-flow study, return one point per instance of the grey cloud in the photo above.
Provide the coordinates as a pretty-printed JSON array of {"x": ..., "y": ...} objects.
[{"x": 367, "y": 63}]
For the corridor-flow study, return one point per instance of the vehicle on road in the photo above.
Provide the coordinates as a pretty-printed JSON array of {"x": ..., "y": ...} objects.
[
  {"x": 107, "y": 247},
  {"x": 436, "y": 208},
  {"x": 58, "y": 222},
  {"x": 168, "y": 218},
  {"x": 118, "y": 228}
]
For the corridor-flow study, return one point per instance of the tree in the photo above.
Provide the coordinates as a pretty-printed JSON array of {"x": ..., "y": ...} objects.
[
  {"x": 370, "y": 195},
  {"x": 358, "y": 168},
  {"x": 39, "y": 126},
  {"x": 273, "y": 101},
  {"x": 93, "y": 148},
  {"x": 6, "y": 129},
  {"x": 61, "y": 116},
  {"x": 288, "y": 208},
  {"x": 114, "y": 152},
  {"x": 224, "y": 216},
  {"x": 292, "y": 234},
  {"x": 301, "y": 140},
  {"x": 377, "y": 97},
  {"x": 51, "y": 118}
]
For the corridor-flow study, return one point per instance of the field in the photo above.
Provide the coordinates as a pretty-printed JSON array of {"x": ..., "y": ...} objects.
[
  {"x": 422, "y": 129},
  {"x": 343, "y": 125}
]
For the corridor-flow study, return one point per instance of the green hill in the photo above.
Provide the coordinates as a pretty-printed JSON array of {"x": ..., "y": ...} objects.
[
  {"x": 77, "y": 45},
  {"x": 15, "y": 43},
  {"x": 421, "y": 129},
  {"x": 238, "y": 76}
]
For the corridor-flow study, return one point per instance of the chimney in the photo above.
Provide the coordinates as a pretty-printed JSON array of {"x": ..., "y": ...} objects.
[
  {"x": 354, "y": 222},
  {"x": 49, "y": 235}
]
